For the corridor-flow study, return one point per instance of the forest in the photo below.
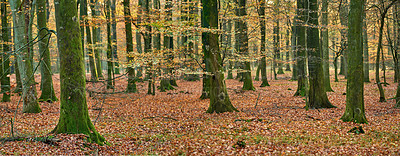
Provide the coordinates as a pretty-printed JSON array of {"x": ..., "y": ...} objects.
[{"x": 200, "y": 77}]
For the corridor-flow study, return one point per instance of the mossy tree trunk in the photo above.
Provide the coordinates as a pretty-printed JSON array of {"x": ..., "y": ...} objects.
[
  {"x": 355, "y": 86},
  {"x": 23, "y": 57},
  {"x": 263, "y": 61},
  {"x": 82, "y": 18},
  {"x": 74, "y": 117},
  {"x": 131, "y": 88},
  {"x": 5, "y": 56},
  {"x": 300, "y": 48},
  {"x": 110, "y": 58},
  {"x": 243, "y": 44},
  {"x": 397, "y": 47},
  {"x": 45, "y": 65},
  {"x": 317, "y": 97},
  {"x": 219, "y": 98},
  {"x": 325, "y": 46},
  {"x": 114, "y": 37}
]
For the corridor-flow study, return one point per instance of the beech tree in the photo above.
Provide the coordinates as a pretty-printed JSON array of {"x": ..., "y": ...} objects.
[
  {"x": 23, "y": 56},
  {"x": 45, "y": 65},
  {"x": 131, "y": 88},
  {"x": 263, "y": 62},
  {"x": 317, "y": 97},
  {"x": 355, "y": 81},
  {"x": 5, "y": 56},
  {"x": 74, "y": 116},
  {"x": 219, "y": 98}
]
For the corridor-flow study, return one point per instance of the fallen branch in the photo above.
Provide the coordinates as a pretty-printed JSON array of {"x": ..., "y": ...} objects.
[{"x": 152, "y": 117}]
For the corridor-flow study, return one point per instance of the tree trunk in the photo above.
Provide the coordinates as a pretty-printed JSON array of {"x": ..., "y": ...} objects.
[
  {"x": 114, "y": 37},
  {"x": 243, "y": 45},
  {"x": 365, "y": 48},
  {"x": 5, "y": 57},
  {"x": 300, "y": 48},
  {"x": 94, "y": 5},
  {"x": 24, "y": 59},
  {"x": 397, "y": 47},
  {"x": 219, "y": 98},
  {"x": 317, "y": 94},
  {"x": 110, "y": 57},
  {"x": 92, "y": 64},
  {"x": 343, "y": 13},
  {"x": 18, "y": 88},
  {"x": 287, "y": 47},
  {"x": 263, "y": 62},
  {"x": 277, "y": 38},
  {"x": 165, "y": 83},
  {"x": 325, "y": 46},
  {"x": 131, "y": 88},
  {"x": 45, "y": 66},
  {"x": 355, "y": 87},
  {"x": 74, "y": 116}
]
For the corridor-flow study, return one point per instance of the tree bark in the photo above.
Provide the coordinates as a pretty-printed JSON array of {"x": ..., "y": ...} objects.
[
  {"x": 355, "y": 87},
  {"x": 5, "y": 56},
  {"x": 131, "y": 88},
  {"x": 325, "y": 46},
  {"x": 114, "y": 37},
  {"x": 219, "y": 98},
  {"x": 74, "y": 116},
  {"x": 94, "y": 5},
  {"x": 45, "y": 66},
  {"x": 24, "y": 58},
  {"x": 317, "y": 97},
  {"x": 365, "y": 48},
  {"x": 300, "y": 48},
  {"x": 263, "y": 62}
]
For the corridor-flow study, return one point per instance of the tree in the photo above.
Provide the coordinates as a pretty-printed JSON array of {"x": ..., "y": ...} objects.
[
  {"x": 277, "y": 38},
  {"x": 397, "y": 47},
  {"x": 355, "y": 86},
  {"x": 114, "y": 36},
  {"x": 110, "y": 57},
  {"x": 74, "y": 116},
  {"x": 263, "y": 62},
  {"x": 24, "y": 57},
  {"x": 382, "y": 15},
  {"x": 95, "y": 7},
  {"x": 300, "y": 48},
  {"x": 219, "y": 98},
  {"x": 317, "y": 97},
  {"x": 325, "y": 46},
  {"x": 165, "y": 83},
  {"x": 45, "y": 65},
  {"x": 131, "y": 88},
  {"x": 242, "y": 44},
  {"x": 365, "y": 48},
  {"x": 92, "y": 63},
  {"x": 5, "y": 56},
  {"x": 343, "y": 13}
]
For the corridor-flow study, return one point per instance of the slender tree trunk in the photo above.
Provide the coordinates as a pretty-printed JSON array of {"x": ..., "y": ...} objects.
[
  {"x": 355, "y": 87},
  {"x": 131, "y": 88},
  {"x": 343, "y": 39},
  {"x": 293, "y": 47},
  {"x": 95, "y": 37},
  {"x": 25, "y": 65},
  {"x": 5, "y": 56},
  {"x": 45, "y": 66},
  {"x": 110, "y": 57},
  {"x": 287, "y": 47},
  {"x": 263, "y": 62},
  {"x": 219, "y": 98},
  {"x": 92, "y": 64},
  {"x": 165, "y": 83},
  {"x": 243, "y": 45},
  {"x": 317, "y": 97},
  {"x": 74, "y": 116},
  {"x": 18, "y": 88},
  {"x": 277, "y": 38},
  {"x": 114, "y": 37},
  {"x": 365, "y": 47},
  {"x": 300, "y": 48},
  {"x": 325, "y": 46}
]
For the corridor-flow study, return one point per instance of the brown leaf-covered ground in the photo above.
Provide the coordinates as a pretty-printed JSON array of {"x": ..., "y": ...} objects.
[{"x": 270, "y": 121}]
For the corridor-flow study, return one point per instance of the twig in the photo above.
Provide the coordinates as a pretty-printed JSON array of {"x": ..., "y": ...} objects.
[
  {"x": 152, "y": 117},
  {"x": 257, "y": 100}
]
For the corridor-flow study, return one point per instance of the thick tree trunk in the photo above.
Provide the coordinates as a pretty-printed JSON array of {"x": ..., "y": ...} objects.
[
  {"x": 344, "y": 10},
  {"x": 219, "y": 98},
  {"x": 24, "y": 58},
  {"x": 325, "y": 46},
  {"x": 74, "y": 116},
  {"x": 18, "y": 88},
  {"x": 355, "y": 87},
  {"x": 45, "y": 66},
  {"x": 397, "y": 47},
  {"x": 5, "y": 56},
  {"x": 317, "y": 97},
  {"x": 131, "y": 88}
]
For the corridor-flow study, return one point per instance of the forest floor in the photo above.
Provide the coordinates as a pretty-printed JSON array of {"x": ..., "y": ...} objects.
[{"x": 271, "y": 121}]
